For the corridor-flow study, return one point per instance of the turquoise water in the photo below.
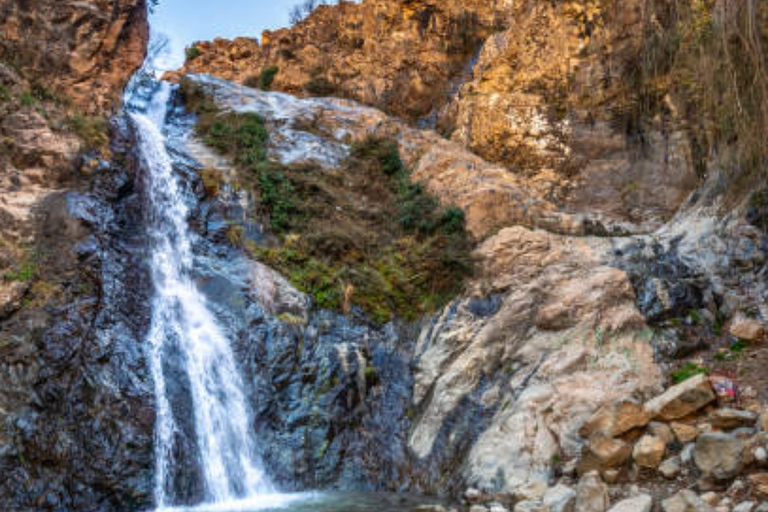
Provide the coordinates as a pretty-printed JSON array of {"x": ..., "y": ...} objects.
[{"x": 318, "y": 502}]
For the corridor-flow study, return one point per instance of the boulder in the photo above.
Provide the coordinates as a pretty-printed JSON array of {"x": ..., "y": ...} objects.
[
  {"x": 681, "y": 400},
  {"x": 729, "y": 419},
  {"x": 718, "y": 455},
  {"x": 591, "y": 494},
  {"x": 748, "y": 329},
  {"x": 649, "y": 451},
  {"x": 671, "y": 467},
  {"x": 602, "y": 452},
  {"x": 616, "y": 418},
  {"x": 684, "y": 433},
  {"x": 685, "y": 501},
  {"x": 642, "y": 503},
  {"x": 560, "y": 498}
]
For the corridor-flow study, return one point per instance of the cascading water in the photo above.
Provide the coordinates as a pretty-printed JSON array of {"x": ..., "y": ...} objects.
[{"x": 183, "y": 324}]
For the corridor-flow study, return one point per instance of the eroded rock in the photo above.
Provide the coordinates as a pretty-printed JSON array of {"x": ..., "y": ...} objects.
[{"x": 681, "y": 400}]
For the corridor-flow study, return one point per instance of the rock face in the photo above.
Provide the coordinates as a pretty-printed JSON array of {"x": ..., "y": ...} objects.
[
  {"x": 401, "y": 56},
  {"x": 85, "y": 51}
]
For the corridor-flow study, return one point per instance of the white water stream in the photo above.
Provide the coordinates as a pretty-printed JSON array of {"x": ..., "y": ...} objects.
[{"x": 183, "y": 324}]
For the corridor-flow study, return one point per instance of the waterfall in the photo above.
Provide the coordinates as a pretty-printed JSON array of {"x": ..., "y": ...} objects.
[{"x": 182, "y": 324}]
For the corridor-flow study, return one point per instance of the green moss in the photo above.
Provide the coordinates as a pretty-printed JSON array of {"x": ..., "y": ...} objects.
[
  {"x": 5, "y": 93},
  {"x": 25, "y": 272},
  {"x": 93, "y": 130},
  {"x": 687, "y": 371},
  {"x": 28, "y": 99},
  {"x": 319, "y": 85}
]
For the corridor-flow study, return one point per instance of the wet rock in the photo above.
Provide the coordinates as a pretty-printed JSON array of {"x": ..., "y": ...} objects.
[
  {"x": 649, "y": 451},
  {"x": 681, "y": 400},
  {"x": 642, "y": 503},
  {"x": 730, "y": 419},
  {"x": 616, "y": 419},
  {"x": 718, "y": 455},
  {"x": 670, "y": 468},
  {"x": 685, "y": 501},
  {"x": 591, "y": 494},
  {"x": 745, "y": 506}
]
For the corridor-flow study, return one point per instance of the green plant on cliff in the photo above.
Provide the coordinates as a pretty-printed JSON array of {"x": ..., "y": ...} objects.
[
  {"x": 93, "y": 130},
  {"x": 266, "y": 77},
  {"x": 363, "y": 234},
  {"x": 193, "y": 52}
]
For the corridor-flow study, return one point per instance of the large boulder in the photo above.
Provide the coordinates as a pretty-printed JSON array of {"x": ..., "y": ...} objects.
[
  {"x": 681, "y": 400},
  {"x": 718, "y": 455},
  {"x": 616, "y": 418}
]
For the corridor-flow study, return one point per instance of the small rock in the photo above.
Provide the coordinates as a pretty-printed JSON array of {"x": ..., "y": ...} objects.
[
  {"x": 729, "y": 419},
  {"x": 736, "y": 487},
  {"x": 560, "y": 498},
  {"x": 748, "y": 329},
  {"x": 685, "y": 501},
  {"x": 662, "y": 431},
  {"x": 611, "y": 476},
  {"x": 745, "y": 506},
  {"x": 764, "y": 422},
  {"x": 529, "y": 506},
  {"x": 686, "y": 455},
  {"x": 616, "y": 419},
  {"x": 681, "y": 400},
  {"x": 473, "y": 494},
  {"x": 763, "y": 507},
  {"x": 478, "y": 508},
  {"x": 684, "y": 433},
  {"x": 591, "y": 494},
  {"x": 497, "y": 507},
  {"x": 761, "y": 456},
  {"x": 710, "y": 498},
  {"x": 670, "y": 468},
  {"x": 649, "y": 451},
  {"x": 602, "y": 452},
  {"x": 430, "y": 508},
  {"x": 760, "y": 483},
  {"x": 718, "y": 455},
  {"x": 642, "y": 503},
  {"x": 722, "y": 509}
]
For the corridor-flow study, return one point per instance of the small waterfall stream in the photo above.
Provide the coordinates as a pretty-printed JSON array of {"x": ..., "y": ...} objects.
[{"x": 183, "y": 324}]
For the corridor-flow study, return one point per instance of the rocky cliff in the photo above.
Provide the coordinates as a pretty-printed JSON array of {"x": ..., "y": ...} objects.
[
  {"x": 73, "y": 398},
  {"x": 85, "y": 51}
]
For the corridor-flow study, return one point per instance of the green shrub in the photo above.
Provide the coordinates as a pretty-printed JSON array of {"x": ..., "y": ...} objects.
[
  {"x": 25, "y": 272},
  {"x": 193, "y": 52},
  {"x": 266, "y": 77},
  {"x": 28, "y": 99},
  {"x": 319, "y": 85},
  {"x": 340, "y": 241},
  {"x": 5, "y": 93}
]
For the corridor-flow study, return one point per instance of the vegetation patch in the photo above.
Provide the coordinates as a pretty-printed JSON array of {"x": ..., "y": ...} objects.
[
  {"x": 687, "y": 371},
  {"x": 361, "y": 235}
]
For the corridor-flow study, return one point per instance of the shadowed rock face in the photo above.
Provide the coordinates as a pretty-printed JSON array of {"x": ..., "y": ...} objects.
[{"x": 85, "y": 51}]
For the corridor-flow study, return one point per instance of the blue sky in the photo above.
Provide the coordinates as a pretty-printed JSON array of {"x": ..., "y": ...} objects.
[{"x": 186, "y": 21}]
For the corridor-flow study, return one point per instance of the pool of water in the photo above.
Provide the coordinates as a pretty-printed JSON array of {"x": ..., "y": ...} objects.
[{"x": 318, "y": 502}]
